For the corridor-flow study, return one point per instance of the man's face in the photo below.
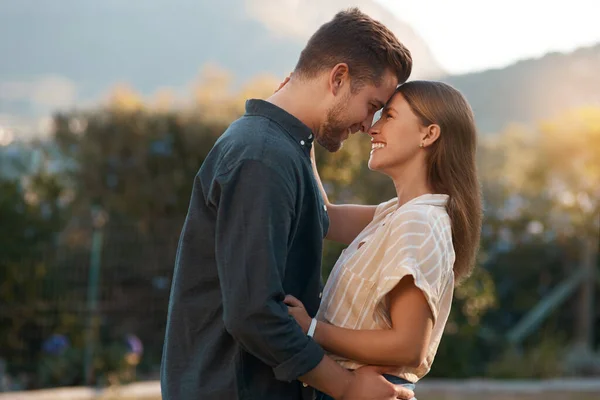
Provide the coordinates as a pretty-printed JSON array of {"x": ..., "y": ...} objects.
[{"x": 354, "y": 112}]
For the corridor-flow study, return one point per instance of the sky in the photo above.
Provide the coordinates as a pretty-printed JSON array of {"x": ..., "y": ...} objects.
[
  {"x": 471, "y": 35},
  {"x": 67, "y": 55}
]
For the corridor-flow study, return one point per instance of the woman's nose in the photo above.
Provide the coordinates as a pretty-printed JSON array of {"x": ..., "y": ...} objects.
[{"x": 374, "y": 130}]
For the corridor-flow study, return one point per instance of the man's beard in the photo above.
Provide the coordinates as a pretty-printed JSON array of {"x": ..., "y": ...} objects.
[{"x": 334, "y": 129}]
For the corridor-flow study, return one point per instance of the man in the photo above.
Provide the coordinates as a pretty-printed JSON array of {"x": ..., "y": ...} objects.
[{"x": 256, "y": 224}]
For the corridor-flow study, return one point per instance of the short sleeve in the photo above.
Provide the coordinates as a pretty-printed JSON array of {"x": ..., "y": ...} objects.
[{"x": 413, "y": 246}]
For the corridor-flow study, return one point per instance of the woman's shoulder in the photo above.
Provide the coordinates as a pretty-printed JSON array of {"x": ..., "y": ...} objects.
[
  {"x": 428, "y": 209},
  {"x": 416, "y": 214},
  {"x": 421, "y": 227},
  {"x": 385, "y": 208}
]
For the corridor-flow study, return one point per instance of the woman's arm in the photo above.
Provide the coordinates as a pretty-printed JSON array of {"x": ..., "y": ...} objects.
[
  {"x": 405, "y": 344},
  {"x": 346, "y": 221}
]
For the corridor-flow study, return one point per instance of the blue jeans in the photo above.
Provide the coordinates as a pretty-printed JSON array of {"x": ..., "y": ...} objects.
[{"x": 394, "y": 379}]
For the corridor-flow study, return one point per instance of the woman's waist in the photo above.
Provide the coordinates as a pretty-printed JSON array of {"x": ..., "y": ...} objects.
[{"x": 407, "y": 375}]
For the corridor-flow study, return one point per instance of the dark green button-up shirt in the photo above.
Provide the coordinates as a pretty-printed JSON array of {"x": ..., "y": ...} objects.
[{"x": 253, "y": 233}]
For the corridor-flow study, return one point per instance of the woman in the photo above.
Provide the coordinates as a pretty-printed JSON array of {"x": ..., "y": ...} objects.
[{"x": 388, "y": 297}]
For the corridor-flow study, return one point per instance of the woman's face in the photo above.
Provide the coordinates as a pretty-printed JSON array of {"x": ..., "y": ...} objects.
[{"x": 396, "y": 137}]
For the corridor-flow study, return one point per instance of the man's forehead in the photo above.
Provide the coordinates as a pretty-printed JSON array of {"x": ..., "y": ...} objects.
[
  {"x": 386, "y": 89},
  {"x": 381, "y": 93},
  {"x": 382, "y": 97}
]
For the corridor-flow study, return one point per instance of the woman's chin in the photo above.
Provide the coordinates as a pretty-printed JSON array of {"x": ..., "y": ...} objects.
[{"x": 372, "y": 164}]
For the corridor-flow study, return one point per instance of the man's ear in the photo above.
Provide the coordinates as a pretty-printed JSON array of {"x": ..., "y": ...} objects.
[
  {"x": 282, "y": 84},
  {"x": 338, "y": 77}
]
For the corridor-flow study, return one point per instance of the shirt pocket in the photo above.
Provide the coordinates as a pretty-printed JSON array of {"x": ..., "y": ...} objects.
[{"x": 351, "y": 300}]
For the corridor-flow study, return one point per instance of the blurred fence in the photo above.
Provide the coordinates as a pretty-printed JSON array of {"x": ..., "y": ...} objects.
[
  {"x": 84, "y": 311},
  {"x": 91, "y": 308}
]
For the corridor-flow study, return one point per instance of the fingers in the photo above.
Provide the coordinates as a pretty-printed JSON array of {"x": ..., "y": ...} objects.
[
  {"x": 372, "y": 368},
  {"x": 398, "y": 391},
  {"x": 292, "y": 301},
  {"x": 404, "y": 393}
]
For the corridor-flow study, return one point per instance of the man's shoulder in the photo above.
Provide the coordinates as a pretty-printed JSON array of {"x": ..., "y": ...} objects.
[
  {"x": 256, "y": 138},
  {"x": 255, "y": 128}
]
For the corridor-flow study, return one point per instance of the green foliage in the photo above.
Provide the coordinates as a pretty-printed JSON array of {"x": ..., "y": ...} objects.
[
  {"x": 60, "y": 370},
  {"x": 541, "y": 360},
  {"x": 137, "y": 165},
  {"x": 31, "y": 217}
]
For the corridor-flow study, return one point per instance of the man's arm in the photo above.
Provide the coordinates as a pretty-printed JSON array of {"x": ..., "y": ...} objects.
[
  {"x": 255, "y": 210},
  {"x": 362, "y": 384}
]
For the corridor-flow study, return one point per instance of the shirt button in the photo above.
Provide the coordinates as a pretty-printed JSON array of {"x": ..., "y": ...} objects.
[
  {"x": 304, "y": 384},
  {"x": 321, "y": 295},
  {"x": 324, "y": 207},
  {"x": 310, "y": 136},
  {"x": 302, "y": 142}
]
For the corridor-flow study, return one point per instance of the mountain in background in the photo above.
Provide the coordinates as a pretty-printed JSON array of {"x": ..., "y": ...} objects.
[
  {"x": 532, "y": 90},
  {"x": 59, "y": 55}
]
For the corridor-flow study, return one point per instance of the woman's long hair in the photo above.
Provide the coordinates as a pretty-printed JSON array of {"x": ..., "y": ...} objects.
[{"x": 451, "y": 165}]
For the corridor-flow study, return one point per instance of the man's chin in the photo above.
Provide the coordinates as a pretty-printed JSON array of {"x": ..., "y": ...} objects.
[{"x": 330, "y": 145}]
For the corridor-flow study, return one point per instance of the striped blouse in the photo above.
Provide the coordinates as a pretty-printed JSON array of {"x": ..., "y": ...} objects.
[{"x": 413, "y": 239}]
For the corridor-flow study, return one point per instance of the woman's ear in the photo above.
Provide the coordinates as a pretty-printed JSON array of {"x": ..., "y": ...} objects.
[{"x": 431, "y": 134}]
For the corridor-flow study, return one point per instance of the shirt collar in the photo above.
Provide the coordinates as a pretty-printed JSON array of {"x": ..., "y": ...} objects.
[
  {"x": 439, "y": 200},
  {"x": 295, "y": 128}
]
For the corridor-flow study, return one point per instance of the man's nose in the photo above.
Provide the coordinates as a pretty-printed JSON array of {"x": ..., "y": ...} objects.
[{"x": 366, "y": 124}]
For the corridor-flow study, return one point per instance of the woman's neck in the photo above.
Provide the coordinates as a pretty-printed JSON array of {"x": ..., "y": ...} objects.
[{"x": 411, "y": 183}]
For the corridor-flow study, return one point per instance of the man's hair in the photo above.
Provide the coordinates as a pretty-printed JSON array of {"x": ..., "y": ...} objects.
[{"x": 367, "y": 46}]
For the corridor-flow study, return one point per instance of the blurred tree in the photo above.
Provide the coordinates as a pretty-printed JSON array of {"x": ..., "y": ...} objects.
[
  {"x": 542, "y": 222},
  {"x": 33, "y": 211}
]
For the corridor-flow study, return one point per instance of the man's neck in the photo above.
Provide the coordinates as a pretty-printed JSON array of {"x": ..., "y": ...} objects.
[{"x": 299, "y": 100}]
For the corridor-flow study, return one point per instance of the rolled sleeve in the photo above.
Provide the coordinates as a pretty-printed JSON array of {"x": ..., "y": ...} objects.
[
  {"x": 255, "y": 213},
  {"x": 301, "y": 363}
]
